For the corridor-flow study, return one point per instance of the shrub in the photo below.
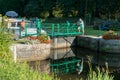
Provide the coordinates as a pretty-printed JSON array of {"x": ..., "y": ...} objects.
[
  {"x": 57, "y": 11},
  {"x": 110, "y": 35},
  {"x": 73, "y": 13},
  {"x": 44, "y": 14},
  {"x": 114, "y": 25}
]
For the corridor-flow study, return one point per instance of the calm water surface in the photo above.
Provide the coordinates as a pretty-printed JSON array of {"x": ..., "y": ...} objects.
[{"x": 98, "y": 59}]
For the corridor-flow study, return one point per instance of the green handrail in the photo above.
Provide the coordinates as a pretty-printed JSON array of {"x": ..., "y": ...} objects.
[
  {"x": 63, "y": 29},
  {"x": 66, "y": 65},
  {"x": 53, "y": 30}
]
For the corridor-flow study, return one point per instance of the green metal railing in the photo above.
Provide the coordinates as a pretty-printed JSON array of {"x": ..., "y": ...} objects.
[
  {"x": 53, "y": 30},
  {"x": 65, "y": 65},
  {"x": 63, "y": 29}
]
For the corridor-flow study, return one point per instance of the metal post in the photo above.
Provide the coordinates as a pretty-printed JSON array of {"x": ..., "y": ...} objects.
[
  {"x": 26, "y": 30},
  {"x": 58, "y": 30},
  {"x": 20, "y": 36},
  {"x": 68, "y": 24},
  {"x": 53, "y": 29},
  {"x": 38, "y": 23}
]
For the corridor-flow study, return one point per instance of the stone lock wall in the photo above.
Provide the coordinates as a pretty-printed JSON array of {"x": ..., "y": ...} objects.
[
  {"x": 30, "y": 52},
  {"x": 112, "y": 46},
  {"x": 62, "y": 42},
  {"x": 97, "y": 43},
  {"x": 89, "y": 42}
]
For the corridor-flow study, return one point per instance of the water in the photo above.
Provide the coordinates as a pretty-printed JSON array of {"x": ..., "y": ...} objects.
[{"x": 98, "y": 59}]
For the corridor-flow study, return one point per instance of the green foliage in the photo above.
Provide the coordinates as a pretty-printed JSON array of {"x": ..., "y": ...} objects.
[
  {"x": 44, "y": 14},
  {"x": 9, "y": 70},
  {"x": 57, "y": 11},
  {"x": 5, "y": 42},
  {"x": 0, "y": 15},
  {"x": 98, "y": 74},
  {"x": 88, "y": 18},
  {"x": 117, "y": 15},
  {"x": 32, "y": 8},
  {"x": 115, "y": 26},
  {"x": 73, "y": 13},
  {"x": 4, "y": 22},
  {"x": 20, "y": 71}
]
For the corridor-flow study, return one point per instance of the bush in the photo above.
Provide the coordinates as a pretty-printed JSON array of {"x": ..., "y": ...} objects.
[
  {"x": 73, "y": 13},
  {"x": 57, "y": 11},
  {"x": 110, "y": 35},
  {"x": 44, "y": 14},
  {"x": 114, "y": 25}
]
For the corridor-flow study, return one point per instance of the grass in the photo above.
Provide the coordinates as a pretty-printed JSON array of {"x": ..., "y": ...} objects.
[
  {"x": 98, "y": 73},
  {"x": 90, "y": 31}
]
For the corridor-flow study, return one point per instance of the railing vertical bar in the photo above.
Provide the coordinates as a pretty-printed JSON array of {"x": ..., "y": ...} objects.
[{"x": 53, "y": 26}]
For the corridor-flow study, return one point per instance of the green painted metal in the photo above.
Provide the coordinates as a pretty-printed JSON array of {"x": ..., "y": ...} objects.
[
  {"x": 38, "y": 21},
  {"x": 29, "y": 26},
  {"x": 65, "y": 65},
  {"x": 26, "y": 34},
  {"x": 52, "y": 29},
  {"x": 63, "y": 29}
]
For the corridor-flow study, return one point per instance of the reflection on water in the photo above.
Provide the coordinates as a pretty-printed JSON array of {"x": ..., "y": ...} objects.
[
  {"x": 41, "y": 66},
  {"x": 66, "y": 65},
  {"x": 64, "y": 61},
  {"x": 97, "y": 58},
  {"x": 61, "y": 53}
]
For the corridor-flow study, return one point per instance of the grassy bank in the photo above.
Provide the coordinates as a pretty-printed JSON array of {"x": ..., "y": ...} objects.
[{"x": 90, "y": 31}]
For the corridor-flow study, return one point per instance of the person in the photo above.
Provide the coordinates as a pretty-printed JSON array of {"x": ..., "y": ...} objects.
[
  {"x": 22, "y": 24},
  {"x": 80, "y": 25}
]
